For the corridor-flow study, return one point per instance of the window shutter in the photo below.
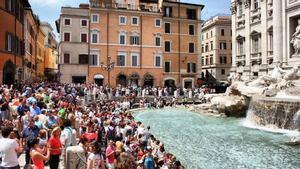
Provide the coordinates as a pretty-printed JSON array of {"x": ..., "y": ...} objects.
[
  {"x": 194, "y": 67},
  {"x": 13, "y": 44},
  {"x": 6, "y": 40}
]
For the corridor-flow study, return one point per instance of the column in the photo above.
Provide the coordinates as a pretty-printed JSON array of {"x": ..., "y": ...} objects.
[
  {"x": 278, "y": 31},
  {"x": 233, "y": 27},
  {"x": 264, "y": 39}
]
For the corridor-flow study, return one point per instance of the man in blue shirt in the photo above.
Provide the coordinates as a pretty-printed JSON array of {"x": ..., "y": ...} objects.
[
  {"x": 30, "y": 132},
  {"x": 34, "y": 110},
  {"x": 51, "y": 121}
]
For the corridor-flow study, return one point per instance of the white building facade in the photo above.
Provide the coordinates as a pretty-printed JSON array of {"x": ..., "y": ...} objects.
[{"x": 263, "y": 34}]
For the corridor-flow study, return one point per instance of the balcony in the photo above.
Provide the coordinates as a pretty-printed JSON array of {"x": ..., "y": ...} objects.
[
  {"x": 240, "y": 60},
  {"x": 256, "y": 58},
  {"x": 240, "y": 57},
  {"x": 124, "y": 6}
]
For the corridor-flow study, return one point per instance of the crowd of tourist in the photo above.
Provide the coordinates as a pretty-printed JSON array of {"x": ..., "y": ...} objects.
[{"x": 40, "y": 121}]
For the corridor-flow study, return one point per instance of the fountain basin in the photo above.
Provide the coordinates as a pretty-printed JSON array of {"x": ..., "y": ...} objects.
[
  {"x": 206, "y": 142},
  {"x": 276, "y": 112}
]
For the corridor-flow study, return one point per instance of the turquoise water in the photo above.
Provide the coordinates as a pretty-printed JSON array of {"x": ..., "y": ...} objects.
[{"x": 203, "y": 142}]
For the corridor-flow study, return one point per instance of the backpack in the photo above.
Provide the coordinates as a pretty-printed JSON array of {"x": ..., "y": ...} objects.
[{"x": 111, "y": 133}]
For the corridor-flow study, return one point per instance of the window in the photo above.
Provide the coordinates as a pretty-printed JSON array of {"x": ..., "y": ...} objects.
[
  {"x": 157, "y": 41},
  {"x": 157, "y": 22},
  {"x": 167, "y": 46},
  {"x": 83, "y": 37},
  {"x": 211, "y": 60},
  {"x": 66, "y": 58},
  {"x": 134, "y": 40},
  {"x": 191, "y": 29},
  {"x": 134, "y": 60},
  {"x": 206, "y": 47},
  {"x": 122, "y": 39},
  {"x": 167, "y": 66},
  {"x": 168, "y": 11},
  {"x": 222, "y": 32},
  {"x": 83, "y": 59},
  {"x": 223, "y": 71},
  {"x": 134, "y": 20},
  {"x": 191, "y": 13},
  {"x": 95, "y": 18},
  {"x": 202, "y": 49},
  {"x": 191, "y": 67},
  {"x": 84, "y": 23},
  {"x": 121, "y": 59},
  {"x": 223, "y": 46},
  {"x": 255, "y": 45},
  {"x": 122, "y": 20},
  {"x": 95, "y": 37},
  {"x": 191, "y": 47},
  {"x": 9, "y": 41},
  {"x": 157, "y": 61},
  {"x": 270, "y": 38},
  {"x": 241, "y": 47},
  {"x": 8, "y": 5},
  {"x": 255, "y": 4},
  {"x": 223, "y": 60},
  {"x": 240, "y": 8},
  {"x": 67, "y": 36},
  {"x": 167, "y": 27},
  {"x": 67, "y": 22},
  {"x": 211, "y": 45},
  {"x": 93, "y": 59}
]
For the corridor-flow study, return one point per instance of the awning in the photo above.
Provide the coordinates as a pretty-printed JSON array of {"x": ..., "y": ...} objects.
[{"x": 98, "y": 76}]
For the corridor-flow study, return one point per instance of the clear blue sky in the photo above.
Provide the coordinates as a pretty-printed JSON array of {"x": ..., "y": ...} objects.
[{"x": 49, "y": 10}]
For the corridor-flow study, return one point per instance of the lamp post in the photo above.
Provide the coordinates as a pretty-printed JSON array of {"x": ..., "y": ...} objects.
[{"x": 108, "y": 67}]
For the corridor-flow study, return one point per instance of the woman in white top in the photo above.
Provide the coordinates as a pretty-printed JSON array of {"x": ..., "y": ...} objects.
[{"x": 95, "y": 158}]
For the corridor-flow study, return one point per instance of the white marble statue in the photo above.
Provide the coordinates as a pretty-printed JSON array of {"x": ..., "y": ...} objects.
[
  {"x": 296, "y": 39},
  {"x": 292, "y": 74}
]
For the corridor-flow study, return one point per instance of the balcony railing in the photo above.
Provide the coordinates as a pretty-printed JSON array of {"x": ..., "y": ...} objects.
[
  {"x": 255, "y": 55},
  {"x": 142, "y": 7},
  {"x": 240, "y": 58}
]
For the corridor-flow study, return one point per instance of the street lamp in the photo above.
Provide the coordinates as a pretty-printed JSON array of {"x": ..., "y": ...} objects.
[{"x": 108, "y": 67}]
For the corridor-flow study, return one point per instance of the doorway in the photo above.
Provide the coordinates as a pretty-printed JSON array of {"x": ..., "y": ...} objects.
[
  {"x": 122, "y": 80},
  {"x": 8, "y": 73}
]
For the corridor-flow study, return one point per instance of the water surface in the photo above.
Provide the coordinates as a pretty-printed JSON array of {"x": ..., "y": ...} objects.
[{"x": 203, "y": 142}]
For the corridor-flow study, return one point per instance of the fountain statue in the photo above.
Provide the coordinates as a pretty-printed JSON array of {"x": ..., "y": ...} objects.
[{"x": 296, "y": 39}]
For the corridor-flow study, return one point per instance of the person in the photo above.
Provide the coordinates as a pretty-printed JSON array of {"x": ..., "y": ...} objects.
[
  {"x": 34, "y": 109},
  {"x": 55, "y": 147},
  {"x": 125, "y": 161},
  {"x": 95, "y": 159},
  {"x": 66, "y": 138},
  {"x": 110, "y": 155},
  {"x": 9, "y": 150},
  {"x": 149, "y": 161},
  {"x": 36, "y": 155},
  {"x": 51, "y": 121},
  {"x": 29, "y": 133}
]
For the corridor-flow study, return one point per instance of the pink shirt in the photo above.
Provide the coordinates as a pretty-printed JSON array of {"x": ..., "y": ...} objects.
[{"x": 110, "y": 158}]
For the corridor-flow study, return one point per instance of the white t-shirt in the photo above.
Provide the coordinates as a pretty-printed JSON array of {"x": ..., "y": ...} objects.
[
  {"x": 96, "y": 160},
  {"x": 8, "y": 150}
]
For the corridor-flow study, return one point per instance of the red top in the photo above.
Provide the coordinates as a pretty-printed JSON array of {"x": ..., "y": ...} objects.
[
  {"x": 91, "y": 136},
  {"x": 55, "y": 144},
  {"x": 110, "y": 155},
  {"x": 37, "y": 163}
]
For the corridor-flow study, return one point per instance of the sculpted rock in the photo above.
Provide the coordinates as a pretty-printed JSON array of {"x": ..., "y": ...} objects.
[{"x": 232, "y": 106}]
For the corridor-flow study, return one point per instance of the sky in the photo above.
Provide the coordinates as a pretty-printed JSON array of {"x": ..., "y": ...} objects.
[{"x": 49, "y": 10}]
